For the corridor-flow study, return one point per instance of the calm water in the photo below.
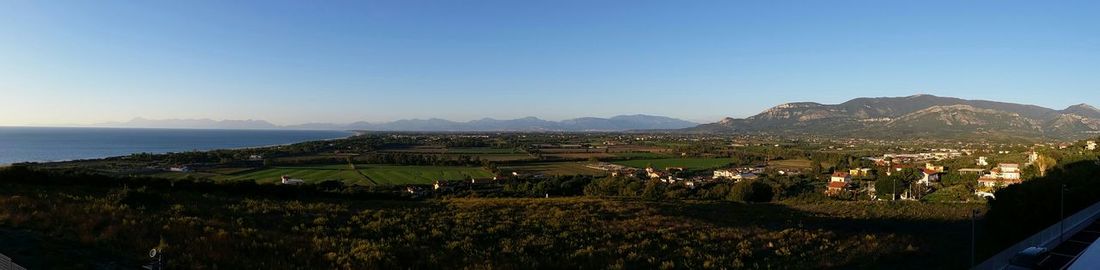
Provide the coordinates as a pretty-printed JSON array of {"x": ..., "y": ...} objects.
[{"x": 21, "y": 144}]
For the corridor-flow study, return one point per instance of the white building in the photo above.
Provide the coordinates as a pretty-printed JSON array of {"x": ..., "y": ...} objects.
[
  {"x": 1090, "y": 145},
  {"x": 928, "y": 176},
  {"x": 291, "y": 181},
  {"x": 726, "y": 174},
  {"x": 982, "y": 161},
  {"x": 180, "y": 169},
  {"x": 744, "y": 176},
  {"x": 1009, "y": 170},
  {"x": 841, "y": 177},
  {"x": 1004, "y": 174},
  {"x": 838, "y": 183}
]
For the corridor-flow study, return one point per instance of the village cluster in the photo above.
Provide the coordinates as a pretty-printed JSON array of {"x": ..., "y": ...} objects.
[{"x": 989, "y": 177}]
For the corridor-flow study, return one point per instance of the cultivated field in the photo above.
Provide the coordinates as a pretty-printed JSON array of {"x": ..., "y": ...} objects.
[
  {"x": 791, "y": 163},
  {"x": 689, "y": 163},
  {"x": 553, "y": 168},
  {"x": 643, "y": 155},
  {"x": 455, "y": 150},
  {"x": 381, "y": 174},
  {"x": 398, "y": 175},
  {"x": 310, "y": 174}
]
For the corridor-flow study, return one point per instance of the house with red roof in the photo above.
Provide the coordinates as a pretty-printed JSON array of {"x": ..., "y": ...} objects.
[
  {"x": 1002, "y": 175},
  {"x": 838, "y": 182},
  {"x": 929, "y": 176}
]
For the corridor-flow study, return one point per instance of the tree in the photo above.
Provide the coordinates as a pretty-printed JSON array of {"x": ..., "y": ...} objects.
[
  {"x": 1044, "y": 163},
  {"x": 751, "y": 191},
  {"x": 899, "y": 181},
  {"x": 653, "y": 191},
  {"x": 958, "y": 193},
  {"x": 955, "y": 179}
]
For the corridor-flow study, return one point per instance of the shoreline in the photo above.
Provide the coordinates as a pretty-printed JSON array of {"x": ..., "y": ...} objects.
[{"x": 349, "y": 134}]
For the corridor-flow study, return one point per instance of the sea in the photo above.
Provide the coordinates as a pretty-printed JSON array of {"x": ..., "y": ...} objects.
[{"x": 45, "y": 144}]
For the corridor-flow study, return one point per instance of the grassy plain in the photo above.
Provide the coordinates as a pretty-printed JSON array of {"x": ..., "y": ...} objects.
[
  {"x": 553, "y": 168},
  {"x": 382, "y": 174},
  {"x": 791, "y": 163},
  {"x": 643, "y": 155},
  {"x": 689, "y": 163},
  {"x": 311, "y": 174},
  {"x": 397, "y": 175}
]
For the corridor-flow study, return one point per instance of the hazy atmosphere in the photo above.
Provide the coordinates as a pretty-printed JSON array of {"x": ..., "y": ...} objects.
[{"x": 80, "y": 63}]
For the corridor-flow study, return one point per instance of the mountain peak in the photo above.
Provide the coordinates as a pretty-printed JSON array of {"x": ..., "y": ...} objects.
[
  {"x": 916, "y": 116},
  {"x": 1082, "y": 106},
  {"x": 1083, "y": 110}
]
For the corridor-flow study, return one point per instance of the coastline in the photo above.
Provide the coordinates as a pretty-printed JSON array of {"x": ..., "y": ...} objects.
[{"x": 343, "y": 134}]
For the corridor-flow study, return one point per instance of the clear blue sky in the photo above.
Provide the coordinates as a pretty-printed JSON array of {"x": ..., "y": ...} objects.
[{"x": 78, "y": 62}]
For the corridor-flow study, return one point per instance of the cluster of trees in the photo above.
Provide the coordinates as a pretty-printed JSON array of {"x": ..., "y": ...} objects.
[
  {"x": 465, "y": 142},
  {"x": 420, "y": 159},
  {"x": 356, "y": 144},
  {"x": 570, "y": 185},
  {"x": 396, "y": 158},
  {"x": 761, "y": 190}
]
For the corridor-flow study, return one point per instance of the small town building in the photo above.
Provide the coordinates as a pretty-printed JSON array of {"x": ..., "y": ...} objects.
[
  {"x": 971, "y": 171},
  {"x": 180, "y": 169},
  {"x": 745, "y": 176},
  {"x": 983, "y": 161},
  {"x": 861, "y": 172},
  {"x": 928, "y": 176},
  {"x": 1004, "y": 174},
  {"x": 838, "y": 183},
  {"x": 286, "y": 180},
  {"x": 929, "y": 166},
  {"x": 725, "y": 174}
]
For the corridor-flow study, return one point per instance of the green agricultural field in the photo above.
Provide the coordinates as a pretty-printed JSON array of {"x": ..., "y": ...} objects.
[
  {"x": 310, "y": 174},
  {"x": 689, "y": 163},
  {"x": 791, "y": 163},
  {"x": 553, "y": 168},
  {"x": 397, "y": 175},
  {"x": 491, "y": 157},
  {"x": 642, "y": 155},
  {"x": 482, "y": 150},
  {"x": 456, "y": 150}
]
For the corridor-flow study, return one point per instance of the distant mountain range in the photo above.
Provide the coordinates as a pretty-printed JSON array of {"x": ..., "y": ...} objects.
[
  {"x": 617, "y": 123},
  {"x": 918, "y": 116}
]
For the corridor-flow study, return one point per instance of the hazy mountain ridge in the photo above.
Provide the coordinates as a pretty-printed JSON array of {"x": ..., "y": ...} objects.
[
  {"x": 192, "y": 123},
  {"x": 916, "y": 116},
  {"x": 617, "y": 123}
]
